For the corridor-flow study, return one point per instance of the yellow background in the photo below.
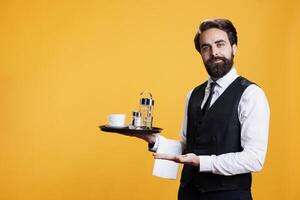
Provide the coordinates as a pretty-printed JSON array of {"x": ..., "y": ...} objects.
[{"x": 66, "y": 65}]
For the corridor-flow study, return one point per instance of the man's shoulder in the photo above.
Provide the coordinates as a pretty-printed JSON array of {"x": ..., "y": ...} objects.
[
  {"x": 242, "y": 81},
  {"x": 254, "y": 89},
  {"x": 253, "y": 93},
  {"x": 250, "y": 85}
]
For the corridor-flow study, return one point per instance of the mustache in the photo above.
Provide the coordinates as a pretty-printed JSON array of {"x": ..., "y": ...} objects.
[{"x": 214, "y": 58}]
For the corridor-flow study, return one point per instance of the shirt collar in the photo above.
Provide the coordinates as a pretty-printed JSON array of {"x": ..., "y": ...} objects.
[{"x": 227, "y": 79}]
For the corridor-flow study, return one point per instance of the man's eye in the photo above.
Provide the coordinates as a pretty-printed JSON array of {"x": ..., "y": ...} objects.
[
  {"x": 204, "y": 48},
  {"x": 220, "y": 45}
]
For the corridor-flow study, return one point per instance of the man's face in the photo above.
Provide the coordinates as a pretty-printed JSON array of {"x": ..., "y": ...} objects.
[{"x": 217, "y": 52}]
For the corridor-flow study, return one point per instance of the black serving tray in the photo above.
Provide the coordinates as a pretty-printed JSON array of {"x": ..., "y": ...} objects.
[{"x": 127, "y": 131}]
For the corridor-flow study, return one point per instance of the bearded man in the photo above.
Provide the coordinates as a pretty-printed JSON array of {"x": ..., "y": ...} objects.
[{"x": 224, "y": 134}]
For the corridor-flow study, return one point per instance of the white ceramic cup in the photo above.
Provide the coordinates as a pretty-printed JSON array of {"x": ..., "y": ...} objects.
[{"x": 116, "y": 120}]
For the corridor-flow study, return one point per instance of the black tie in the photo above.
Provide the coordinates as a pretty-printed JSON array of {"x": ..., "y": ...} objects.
[{"x": 207, "y": 103}]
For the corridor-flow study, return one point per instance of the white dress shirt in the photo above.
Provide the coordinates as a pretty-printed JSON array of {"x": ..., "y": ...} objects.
[{"x": 253, "y": 113}]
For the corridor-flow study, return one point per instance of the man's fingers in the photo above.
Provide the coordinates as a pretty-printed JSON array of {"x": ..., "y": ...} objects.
[
  {"x": 183, "y": 158},
  {"x": 164, "y": 156},
  {"x": 176, "y": 158},
  {"x": 190, "y": 158}
]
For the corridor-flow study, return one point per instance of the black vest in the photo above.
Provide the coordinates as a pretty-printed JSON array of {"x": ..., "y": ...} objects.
[{"x": 217, "y": 132}]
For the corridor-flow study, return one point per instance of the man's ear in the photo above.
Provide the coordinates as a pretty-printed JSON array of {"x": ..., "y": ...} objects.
[{"x": 234, "y": 48}]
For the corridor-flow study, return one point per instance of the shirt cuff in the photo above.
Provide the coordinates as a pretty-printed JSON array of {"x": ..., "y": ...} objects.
[
  {"x": 205, "y": 164},
  {"x": 153, "y": 147}
]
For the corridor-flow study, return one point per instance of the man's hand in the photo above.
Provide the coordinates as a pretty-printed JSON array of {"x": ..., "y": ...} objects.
[{"x": 190, "y": 158}]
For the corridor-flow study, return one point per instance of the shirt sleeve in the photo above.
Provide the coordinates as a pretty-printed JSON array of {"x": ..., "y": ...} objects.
[{"x": 254, "y": 115}]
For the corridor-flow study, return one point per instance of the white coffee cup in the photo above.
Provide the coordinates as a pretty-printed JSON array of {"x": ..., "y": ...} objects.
[{"x": 116, "y": 120}]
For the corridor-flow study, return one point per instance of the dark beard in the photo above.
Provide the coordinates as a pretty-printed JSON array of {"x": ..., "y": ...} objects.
[{"x": 218, "y": 70}]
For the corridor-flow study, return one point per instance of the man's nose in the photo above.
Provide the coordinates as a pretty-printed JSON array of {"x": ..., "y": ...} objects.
[{"x": 214, "y": 51}]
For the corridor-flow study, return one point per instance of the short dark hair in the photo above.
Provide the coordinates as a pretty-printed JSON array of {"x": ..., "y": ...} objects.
[{"x": 222, "y": 24}]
